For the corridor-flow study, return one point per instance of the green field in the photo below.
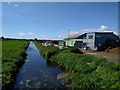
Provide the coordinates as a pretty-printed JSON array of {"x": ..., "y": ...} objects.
[
  {"x": 13, "y": 56},
  {"x": 86, "y": 71},
  {"x": 0, "y": 64}
]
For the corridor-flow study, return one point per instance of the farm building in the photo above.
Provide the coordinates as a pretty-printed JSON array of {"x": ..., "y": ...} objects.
[
  {"x": 92, "y": 40},
  {"x": 61, "y": 43},
  {"x": 75, "y": 40}
]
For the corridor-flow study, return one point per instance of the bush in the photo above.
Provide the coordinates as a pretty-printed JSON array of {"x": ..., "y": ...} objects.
[{"x": 74, "y": 50}]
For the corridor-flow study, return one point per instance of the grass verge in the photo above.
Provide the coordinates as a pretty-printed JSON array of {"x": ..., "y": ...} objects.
[
  {"x": 86, "y": 71},
  {"x": 13, "y": 56}
]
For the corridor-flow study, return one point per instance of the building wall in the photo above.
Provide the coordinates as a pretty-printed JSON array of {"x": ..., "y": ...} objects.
[
  {"x": 78, "y": 44},
  {"x": 90, "y": 42},
  {"x": 69, "y": 43},
  {"x": 101, "y": 38},
  {"x": 98, "y": 39},
  {"x": 61, "y": 43},
  {"x": 91, "y": 39}
]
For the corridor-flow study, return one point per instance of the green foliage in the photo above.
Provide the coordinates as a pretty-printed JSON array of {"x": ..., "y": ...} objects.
[
  {"x": 74, "y": 50},
  {"x": 13, "y": 54},
  {"x": 47, "y": 51},
  {"x": 88, "y": 71}
]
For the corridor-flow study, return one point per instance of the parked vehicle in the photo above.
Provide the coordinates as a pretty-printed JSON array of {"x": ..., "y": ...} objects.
[{"x": 50, "y": 44}]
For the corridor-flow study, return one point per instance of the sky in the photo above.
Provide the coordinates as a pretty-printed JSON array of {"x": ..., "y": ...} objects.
[{"x": 50, "y": 20}]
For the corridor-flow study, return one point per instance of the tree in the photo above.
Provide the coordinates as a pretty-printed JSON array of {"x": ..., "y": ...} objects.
[
  {"x": 2, "y": 37},
  {"x": 35, "y": 39}
]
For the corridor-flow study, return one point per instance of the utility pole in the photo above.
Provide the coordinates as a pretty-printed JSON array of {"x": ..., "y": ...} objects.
[{"x": 68, "y": 33}]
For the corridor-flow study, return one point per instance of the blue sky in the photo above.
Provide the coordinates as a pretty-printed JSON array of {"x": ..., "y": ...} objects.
[{"x": 50, "y": 20}]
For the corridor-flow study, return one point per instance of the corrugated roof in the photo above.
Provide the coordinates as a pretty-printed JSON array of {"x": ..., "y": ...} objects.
[
  {"x": 73, "y": 37},
  {"x": 76, "y": 36}
]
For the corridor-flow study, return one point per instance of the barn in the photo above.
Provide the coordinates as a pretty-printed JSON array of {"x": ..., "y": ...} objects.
[{"x": 92, "y": 40}]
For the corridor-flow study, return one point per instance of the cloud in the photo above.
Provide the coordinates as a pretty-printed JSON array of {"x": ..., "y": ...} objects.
[
  {"x": 42, "y": 35},
  {"x": 102, "y": 28},
  {"x": 65, "y": 34},
  {"x": 60, "y": 36},
  {"x": 116, "y": 33},
  {"x": 30, "y": 33},
  {"x": 13, "y": 4},
  {"x": 73, "y": 32},
  {"x": 16, "y": 5},
  {"x": 21, "y": 34}
]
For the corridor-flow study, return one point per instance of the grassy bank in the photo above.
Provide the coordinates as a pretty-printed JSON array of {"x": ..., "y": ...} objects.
[
  {"x": 86, "y": 71},
  {"x": 48, "y": 51},
  {"x": 13, "y": 56}
]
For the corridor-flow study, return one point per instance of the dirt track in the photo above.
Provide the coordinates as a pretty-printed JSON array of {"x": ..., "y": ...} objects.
[{"x": 112, "y": 55}]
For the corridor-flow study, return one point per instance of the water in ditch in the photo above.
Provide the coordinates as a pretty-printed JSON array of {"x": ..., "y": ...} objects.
[{"x": 38, "y": 72}]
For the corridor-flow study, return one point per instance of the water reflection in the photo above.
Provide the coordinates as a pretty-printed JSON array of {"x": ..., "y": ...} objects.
[
  {"x": 53, "y": 64},
  {"x": 38, "y": 72}
]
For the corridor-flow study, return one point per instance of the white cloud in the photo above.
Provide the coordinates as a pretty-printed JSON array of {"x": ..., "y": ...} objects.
[
  {"x": 116, "y": 33},
  {"x": 108, "y": 31},
  {"x": 16, "y": 5},
  {"x": 42, "y": 35},
  {"x": 73, "y": 32},
  {"x": 21, "y": 34},
  {"x": 102, "y": 28},
  {"x": 13, "y": 4},
  {"x": 30, "y": 33}
]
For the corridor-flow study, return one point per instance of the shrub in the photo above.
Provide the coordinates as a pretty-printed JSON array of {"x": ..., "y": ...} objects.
[{"x": 74, "y": 50}]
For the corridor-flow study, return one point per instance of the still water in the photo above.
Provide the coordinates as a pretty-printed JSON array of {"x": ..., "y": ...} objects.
[{"x": 38, "y": 72}]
